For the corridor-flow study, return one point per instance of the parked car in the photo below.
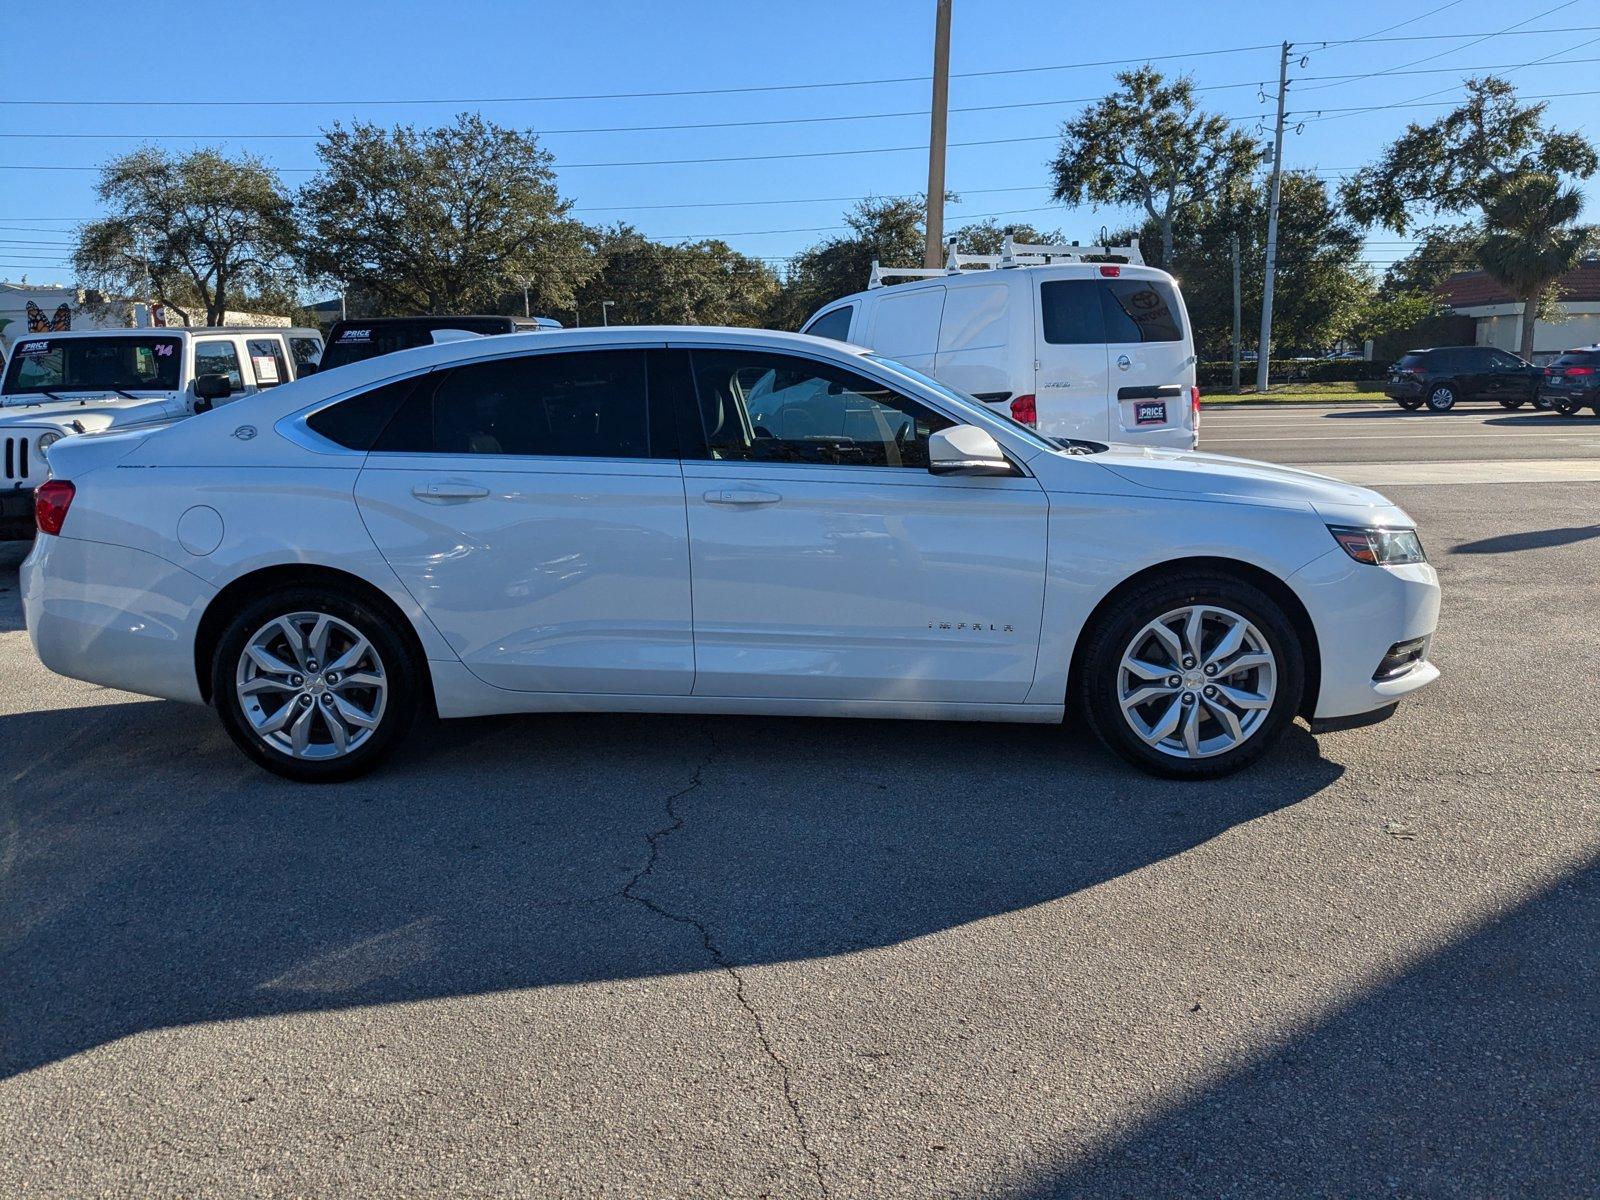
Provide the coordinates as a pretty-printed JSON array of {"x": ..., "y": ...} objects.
[
  {"x": 357, "y": 341},
  {"x": 1572, "y": 382},
  {"x": 1097, "y": 351},
  {"x": 519, "y": 523},
  {"x": 1444, "y": 376},
  {"x": 58, "y": 385}
]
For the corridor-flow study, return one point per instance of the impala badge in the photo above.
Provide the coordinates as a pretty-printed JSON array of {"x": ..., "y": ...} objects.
[{"x": 245, "y": 432}]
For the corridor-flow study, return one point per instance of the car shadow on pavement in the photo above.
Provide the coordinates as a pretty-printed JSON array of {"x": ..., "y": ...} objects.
[
  {"x": 150, "y": 877},
  {"x": 1536, "y": 539},
  {"x": 1472, "y": 1073}
]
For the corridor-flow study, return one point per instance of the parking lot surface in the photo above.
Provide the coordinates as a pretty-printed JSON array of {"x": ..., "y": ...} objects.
[{"x": 662, "y": 956}]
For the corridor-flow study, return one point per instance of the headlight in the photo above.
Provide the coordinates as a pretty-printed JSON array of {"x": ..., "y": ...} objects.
[
  {"x": 1379, "y": 547},
  {"x": 46, "y": 440}
]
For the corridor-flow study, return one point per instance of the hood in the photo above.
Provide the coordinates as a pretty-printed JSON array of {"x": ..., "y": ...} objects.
[
  {"x": 93, "y": 411},
  {"x": 1198, "y": 475}
]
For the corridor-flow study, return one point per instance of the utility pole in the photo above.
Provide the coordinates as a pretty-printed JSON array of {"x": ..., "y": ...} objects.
[
  {"x": 605, "y": 315},
  {"x": 524, "y": 281},
  {"x": 1264, "y": 346},
  {"x": 1233, "y": 244},
  {"x": 933, "y": 252}
]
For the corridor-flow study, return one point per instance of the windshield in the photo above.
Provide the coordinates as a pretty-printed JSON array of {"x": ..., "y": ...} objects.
[
  {"x": 358, "y": 343},
  {"x": 94, "y": 364},
  {"x": 1031, "y": 435}
]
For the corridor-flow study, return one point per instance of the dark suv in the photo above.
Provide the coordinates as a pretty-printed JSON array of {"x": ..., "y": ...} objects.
[
  {"x": 1573, "y": 382},
  {"x": 1442, "y": 376},
  {"x": 358, "y": 340}
]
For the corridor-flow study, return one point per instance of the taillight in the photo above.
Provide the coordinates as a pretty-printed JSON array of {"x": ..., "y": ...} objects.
[
  {"x": 50, "y": 503},
  {"x": 1580, "y": 371},
  {"x": 1111, "y": 272},
  {"x": 1025, "y": 410},
  {"x": 1194, "y": 403}
]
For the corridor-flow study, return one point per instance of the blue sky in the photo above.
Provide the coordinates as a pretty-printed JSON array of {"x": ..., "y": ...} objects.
[{"x": 322, "y": 62}]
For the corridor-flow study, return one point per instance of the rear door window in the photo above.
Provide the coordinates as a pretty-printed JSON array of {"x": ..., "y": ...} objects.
[
  {"x": 1072, "y": 312},
  {"x": 590, "y": 404},
  {"x": 1140, "y": 310},
  {"x": 307, "y": 352},
  {"x": 268, "y": 362}
]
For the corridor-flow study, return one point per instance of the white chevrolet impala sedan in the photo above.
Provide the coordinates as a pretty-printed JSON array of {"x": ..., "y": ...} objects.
[{"x": 708, "y": 521}]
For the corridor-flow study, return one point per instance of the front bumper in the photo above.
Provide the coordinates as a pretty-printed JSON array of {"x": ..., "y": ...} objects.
[
  {"x": 115, "y": 616},
  {"x": 1360, "y": 612}
]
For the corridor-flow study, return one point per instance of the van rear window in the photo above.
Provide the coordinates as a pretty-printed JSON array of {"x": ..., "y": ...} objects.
[{"x": 1141, "y": 310}]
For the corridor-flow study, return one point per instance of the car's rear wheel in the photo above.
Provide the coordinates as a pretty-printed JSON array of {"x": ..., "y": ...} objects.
[
  {"x": 1567, "y": 408},
  {"x": 1512, "y": 403},
  {"x": 314, "y": 684},
  {"x": 1192, "y": 675},
  {"x": 1411, "y": 404},
  {"x": 1442, "y": 398},
  {"x": 1543, "y": 403}
]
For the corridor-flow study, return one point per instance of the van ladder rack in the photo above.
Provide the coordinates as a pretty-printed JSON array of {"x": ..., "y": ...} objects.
[{"x": 1012, "y": 254}]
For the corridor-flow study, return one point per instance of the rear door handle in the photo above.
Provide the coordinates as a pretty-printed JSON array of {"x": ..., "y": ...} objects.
[
  {"x": 741, "y": 496},
  {"x": 449, "y": 491}
]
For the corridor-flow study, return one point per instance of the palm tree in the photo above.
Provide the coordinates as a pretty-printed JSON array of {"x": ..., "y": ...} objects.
[{"x": 1532, "y": 242}]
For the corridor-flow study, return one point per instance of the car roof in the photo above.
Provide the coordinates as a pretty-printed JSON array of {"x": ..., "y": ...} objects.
[
  {"x": 145, "y": 331},
  {"x": 1011, "y": 276}
]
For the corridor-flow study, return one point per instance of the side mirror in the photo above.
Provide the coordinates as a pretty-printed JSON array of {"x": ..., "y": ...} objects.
[
  {"x": 967, "y": 450},
  {"x": 306, "y": 368},
  {"x": 212, "y": 387}
]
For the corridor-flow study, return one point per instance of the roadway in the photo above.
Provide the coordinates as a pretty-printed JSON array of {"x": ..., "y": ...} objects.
[{"x": 1385, "y": 433}]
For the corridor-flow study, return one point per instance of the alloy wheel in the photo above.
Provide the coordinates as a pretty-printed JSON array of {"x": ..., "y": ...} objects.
[
  {"x": 1197, "y": 681},
  {"x": 311, "y": 686}
]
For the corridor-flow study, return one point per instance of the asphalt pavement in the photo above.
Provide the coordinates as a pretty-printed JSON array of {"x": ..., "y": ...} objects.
[
  {"x": 1383, "y": 432},
  {"x": 662, "y": 956}
]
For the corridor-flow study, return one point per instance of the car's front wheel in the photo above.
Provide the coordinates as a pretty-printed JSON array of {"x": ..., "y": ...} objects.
[
  {"x": 1192, "y": 675},
  {"x": 1442, "y": 398},
  {"x": 314, "y": 684}
]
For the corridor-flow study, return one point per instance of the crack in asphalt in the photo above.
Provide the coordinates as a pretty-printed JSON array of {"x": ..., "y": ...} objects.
[{"x": 630, "y": 891}]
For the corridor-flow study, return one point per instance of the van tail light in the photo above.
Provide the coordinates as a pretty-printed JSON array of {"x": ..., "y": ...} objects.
[
  {"x": 1025, "y": 410},
  {"x": 50, "y": 503},
  {"x": 1194, "y": 405},
  {"x": 1111, "y": 272}
]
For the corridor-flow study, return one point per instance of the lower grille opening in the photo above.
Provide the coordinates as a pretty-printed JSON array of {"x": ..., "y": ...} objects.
[{"x": 1402, "y": 656}]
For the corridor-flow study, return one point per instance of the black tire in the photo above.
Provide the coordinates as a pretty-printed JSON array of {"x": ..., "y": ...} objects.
[
  {"x": 1111, "y": 631},
  {"x": 1411, "y": 404},
  {"x": 1441, "y": 399},
  {"x": 399, "y": 663},
  {"x": 1543, "y": 403},
  {"x": 1567, "y": 408},
  {"x": 1512, "y": 403}
]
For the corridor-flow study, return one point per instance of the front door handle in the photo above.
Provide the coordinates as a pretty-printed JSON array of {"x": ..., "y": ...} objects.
[
  {"x": 741, "y": 496},
  {"x": 449, "y": 491}
]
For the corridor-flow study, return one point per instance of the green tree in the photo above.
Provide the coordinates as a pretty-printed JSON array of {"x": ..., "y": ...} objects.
[
  {"x": 988, "y": 235},
  {"x": 442, "y": 220},
  {"x": 888, "y": 229},
  {"x": 1385, "y": 312},
  {"x": 1441, "y": 251},
  {"x": 1460, "y": 162},
  {"x": 1531, "y": 241},
  {"x": 697, "y": 283},
  {"x": 1149, "y": 145},
  {"x": 1321, "y": 283},
  {"x": 196, "y": 230}
]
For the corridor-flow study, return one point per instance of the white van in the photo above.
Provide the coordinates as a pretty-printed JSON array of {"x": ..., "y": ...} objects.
[
  {"x": 60, "y": 384},
  {"x": 1096, "y": 351}
]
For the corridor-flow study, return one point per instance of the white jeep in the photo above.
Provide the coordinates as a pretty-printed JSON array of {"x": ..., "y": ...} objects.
[{"x": 59, "y": 385}]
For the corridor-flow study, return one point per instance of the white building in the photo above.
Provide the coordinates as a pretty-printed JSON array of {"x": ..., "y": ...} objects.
[{"x": 1498, "y": 318}]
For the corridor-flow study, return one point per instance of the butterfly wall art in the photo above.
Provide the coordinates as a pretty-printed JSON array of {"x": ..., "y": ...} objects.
[{"x": 39, "y": 323}]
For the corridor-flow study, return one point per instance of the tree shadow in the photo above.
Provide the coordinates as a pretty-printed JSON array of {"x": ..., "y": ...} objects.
[
  {"x": 1534, "y": 539},
  {"x": 1472, "y": 1074},
  {"x": 153, "y": 878}
]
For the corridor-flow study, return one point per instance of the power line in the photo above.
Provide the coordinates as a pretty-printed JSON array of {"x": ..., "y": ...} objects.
[
  {"x": 1337, "y": 113},
  {"x": 1453, "y": 49}
]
